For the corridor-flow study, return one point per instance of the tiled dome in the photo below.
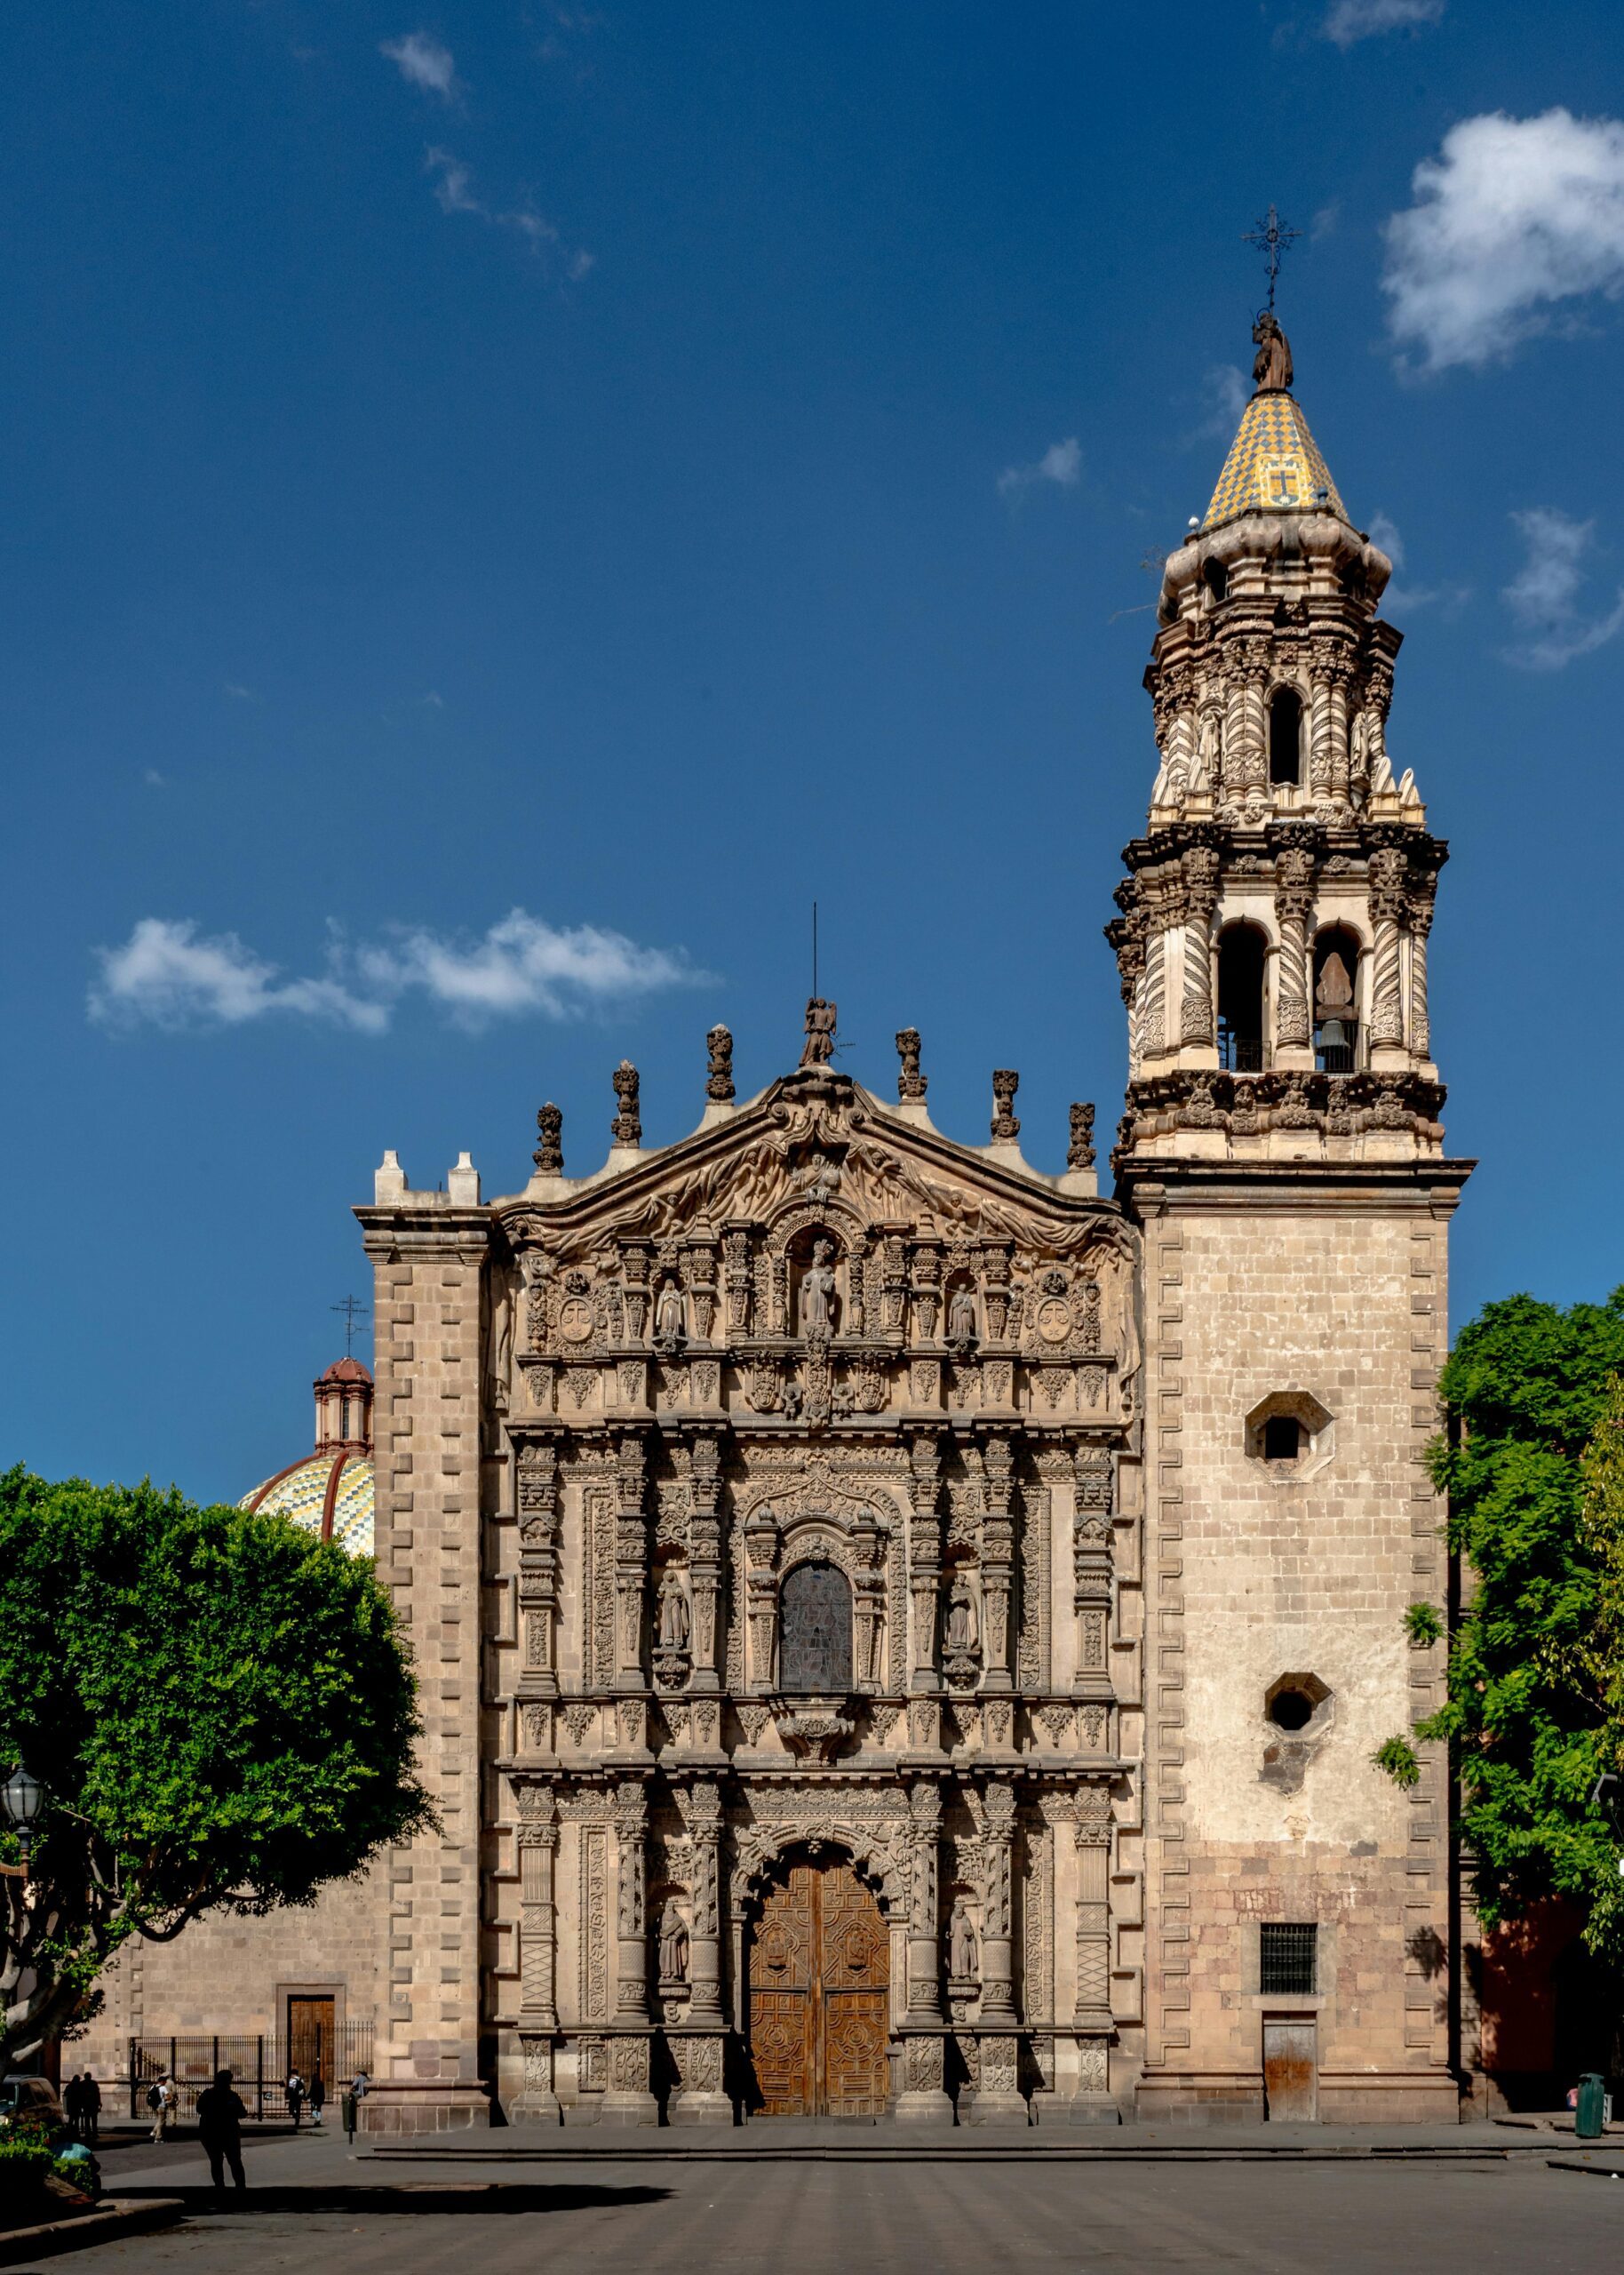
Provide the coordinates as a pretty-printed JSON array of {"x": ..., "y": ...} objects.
[{"x": 328, "y": 1494}]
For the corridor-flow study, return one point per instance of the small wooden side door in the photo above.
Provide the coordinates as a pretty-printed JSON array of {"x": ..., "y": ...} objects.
[{"x": 1291, "y": 2073}]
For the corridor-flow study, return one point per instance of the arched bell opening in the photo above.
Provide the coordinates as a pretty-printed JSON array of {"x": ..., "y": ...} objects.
[
  {"x": 1286, "y": 737},
  {"x": 1243, "y": 954},
  {"x": 1336, "y": 1001}
]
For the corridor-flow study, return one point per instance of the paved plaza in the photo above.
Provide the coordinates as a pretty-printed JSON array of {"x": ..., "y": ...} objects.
[{"x": 656, "y": 2206}]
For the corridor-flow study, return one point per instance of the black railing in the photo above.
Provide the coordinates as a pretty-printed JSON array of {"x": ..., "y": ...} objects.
[
  {"x": 259, "y": 2066},
  {"x": 1240, "y": 1054}
]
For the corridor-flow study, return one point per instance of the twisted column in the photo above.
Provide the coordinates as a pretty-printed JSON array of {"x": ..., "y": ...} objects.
[
  {"x": 1388, "y": 870},
  {"x": 1421, "y": 1017},
  {"x": 1200, "y": 902},
  {"x": 1293, "y": 895}
]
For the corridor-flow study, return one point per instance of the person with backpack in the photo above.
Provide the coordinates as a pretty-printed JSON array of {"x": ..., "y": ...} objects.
[
  {"x": 220, "y": 2113},
  {"x": 296, "y": 2096},
  {"x": 160, "y": 2100}
]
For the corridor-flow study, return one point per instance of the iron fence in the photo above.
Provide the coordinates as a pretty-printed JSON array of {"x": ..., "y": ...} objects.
[{"x": 259, "y": 2066}]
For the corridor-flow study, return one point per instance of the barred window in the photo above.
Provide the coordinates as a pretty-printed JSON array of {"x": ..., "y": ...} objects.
[{"x": 1287, "y": 1959}]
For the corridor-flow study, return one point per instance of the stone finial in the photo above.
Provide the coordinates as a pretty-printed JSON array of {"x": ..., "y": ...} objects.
[
  {"x": 463, "y": 1184},
  {"x": 719, "y": 1080},
  {"x": 819, "y": 1047},
  {"x": 549, "y": 1154},
  {"x": 1079, "y": 1153},
  {"x": 626, "y": 1129},
  {"x": 1006, "y": 1128},
  {"x": 910, "y": 1083}
]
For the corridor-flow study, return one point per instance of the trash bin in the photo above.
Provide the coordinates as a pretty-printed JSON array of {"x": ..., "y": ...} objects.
[
  {"x": 1591, "y": 2110},
  {"x": 346, "y": 2107}
]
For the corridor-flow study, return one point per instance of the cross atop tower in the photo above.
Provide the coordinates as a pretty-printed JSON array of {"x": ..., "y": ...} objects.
[
  {"x": 1272, "y": 239},
  {"x": 351, "y": 1310}
]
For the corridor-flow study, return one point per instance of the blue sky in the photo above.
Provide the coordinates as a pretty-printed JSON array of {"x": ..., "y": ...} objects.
[{"x": 501, "y": 506}]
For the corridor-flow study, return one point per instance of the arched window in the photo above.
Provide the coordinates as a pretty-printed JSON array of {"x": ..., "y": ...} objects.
[
  {"x": 1216, "y": 580},
  {"x": 814, "y": 1630},
  {"x": 1286, "y": 736},
  {"x": 1336, "y": 1001},
  {"x": 1241, "y": 952}
]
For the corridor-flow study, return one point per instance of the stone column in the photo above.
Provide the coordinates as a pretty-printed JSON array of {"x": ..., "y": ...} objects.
[
  {"x": 998, "y": 2096},
  {"x": 629, "y": 2100},
  {"x": 1388, "y": 871},
  {"x": 1245, "y": 734},
  {"x": 924, "y": 2095},
  {"x": 631, "y": 1560},
  {"x": 538, "y": 1953},
  {"x": 1196, "y": 1024},
  {"x": 538, "y": 1568},
  {"x": 1091, "y": 2017},
  {"x": 997, "y": 1563},
  {"x": 704, "y": 1562},
  {"x": 1091, "y": 1571},
  {"x": 700, "y": 2047},
  {"x": 1421, "y": 925},
  {"x": 1336, "y": 677},
  {"x": 925, "y": 1557},
  {"x": 1294, "y": 893}
]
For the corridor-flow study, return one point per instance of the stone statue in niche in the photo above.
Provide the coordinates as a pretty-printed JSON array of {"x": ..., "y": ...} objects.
[
  {"x": 675, "y": 1624},
  {"x": 817, "y": 1297},
  {"x": 961, "y": 1626},
  {"x": 961, "y": 1314},
  {"x": 670, "y": 1315},
  {"x": 673, "y": 1943},
  {"x": 963, "y": 1957}
]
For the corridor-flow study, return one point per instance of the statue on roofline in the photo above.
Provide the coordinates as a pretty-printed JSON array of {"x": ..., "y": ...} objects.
[{"x": 1271, "y": 368}]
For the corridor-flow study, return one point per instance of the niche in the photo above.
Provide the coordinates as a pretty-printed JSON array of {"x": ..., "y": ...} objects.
[{"x": 1336, "y": 1001}]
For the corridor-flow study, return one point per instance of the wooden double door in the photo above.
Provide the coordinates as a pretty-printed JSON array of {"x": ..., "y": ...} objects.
[{"x": 819, "y": 1967}]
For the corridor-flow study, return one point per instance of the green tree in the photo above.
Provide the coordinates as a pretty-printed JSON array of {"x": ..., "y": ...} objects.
[
  {"x": 221, "y": 1709},
  {"x": 1535, "y": 1477}
]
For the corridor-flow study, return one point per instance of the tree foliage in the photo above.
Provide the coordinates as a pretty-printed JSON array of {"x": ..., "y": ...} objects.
[
  {"x": 1534, "y": 1472},
  {"x": 221, "y": 1710}
]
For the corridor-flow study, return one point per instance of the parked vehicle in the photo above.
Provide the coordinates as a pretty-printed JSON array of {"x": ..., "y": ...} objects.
[{"x": 35, "y": 2096}]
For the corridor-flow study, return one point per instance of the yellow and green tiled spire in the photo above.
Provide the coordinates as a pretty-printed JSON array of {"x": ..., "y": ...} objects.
[{"x": 1274, "y": 466}]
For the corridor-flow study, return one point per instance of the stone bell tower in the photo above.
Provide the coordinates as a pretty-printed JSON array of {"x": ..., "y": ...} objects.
[{"x": 1283, "y": 1152}]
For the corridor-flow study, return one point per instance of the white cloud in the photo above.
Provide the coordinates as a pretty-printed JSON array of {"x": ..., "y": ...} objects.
[
  {"x": 1543, "y": 596},
  {"x": 1348, "y": 21},
  {"x": 1061, "y": 464},
  {"x": 1384, "y": 532},
  {"x": 1227, "y": 390},
  {"x": 425, "y": 62},
  {"x": 452, "y": 187},
  {"x": 455, "y": 192},
  {"x": 154, "y": 780},
  {"x": 164, "y": 975},
  {"x": 1513, "y": 218}
]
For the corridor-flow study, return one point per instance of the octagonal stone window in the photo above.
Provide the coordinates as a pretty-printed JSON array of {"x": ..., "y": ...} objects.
[{"x": 1291, "y": 1434}]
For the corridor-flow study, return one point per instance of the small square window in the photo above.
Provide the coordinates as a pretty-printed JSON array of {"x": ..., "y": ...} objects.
[
  {"x": 1287, "y": 1959},
  {"x": 1282, "y": 1438}
]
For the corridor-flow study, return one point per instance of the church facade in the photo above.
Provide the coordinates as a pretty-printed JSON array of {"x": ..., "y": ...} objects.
[{"x": 902, "y": 1634}]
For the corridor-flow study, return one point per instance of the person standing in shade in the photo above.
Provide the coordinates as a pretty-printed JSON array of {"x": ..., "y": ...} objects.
[
  {"x": 318, "y": 2095},
  {"x": 73, "y": 2105},
  {"x": 91, "y": 2093},
  {"x": 296, "y": 2096},
  {"x": 220, "y": 2113}
]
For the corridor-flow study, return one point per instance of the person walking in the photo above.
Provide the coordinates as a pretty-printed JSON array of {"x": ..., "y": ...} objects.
[
  {"x": 296, "y": 2096},
  {"x": 92, "y": 2093},
  {"x": 318, "y": 2094},
  {"x": 160, "y": 2100},
  {"x": 220, "y": 2113},
  {"x": 73, "y": 2105}
]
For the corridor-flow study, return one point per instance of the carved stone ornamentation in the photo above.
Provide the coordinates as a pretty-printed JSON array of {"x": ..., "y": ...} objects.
[
  {"x": 1006, "y": 1128},
  {"x": 718, "y": 1077},
  {"x": 910, "y": 1083},
  {"x": 1079, "y": 1153},
  {"x": 549, "y": 1154},
  {"x": 626, "y": 1129}
]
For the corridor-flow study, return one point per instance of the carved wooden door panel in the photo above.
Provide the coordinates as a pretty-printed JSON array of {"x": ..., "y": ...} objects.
[
  {"x": 856, "y": 1976},
  {"x": 819, "y": 1997}
]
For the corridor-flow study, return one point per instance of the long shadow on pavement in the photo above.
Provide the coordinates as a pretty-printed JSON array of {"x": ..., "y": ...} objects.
[{"x": 407, "y": 2196}]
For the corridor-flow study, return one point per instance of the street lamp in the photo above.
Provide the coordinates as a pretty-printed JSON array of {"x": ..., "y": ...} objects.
[{"x": 22, "y": 1797}]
